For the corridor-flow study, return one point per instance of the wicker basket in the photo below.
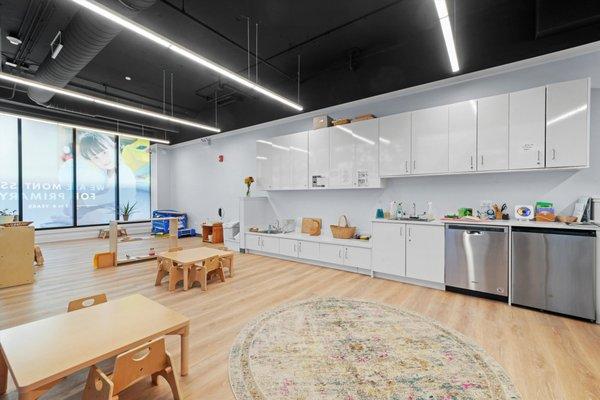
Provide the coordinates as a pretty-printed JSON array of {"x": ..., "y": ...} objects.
[{"x": 342, "y": 230}]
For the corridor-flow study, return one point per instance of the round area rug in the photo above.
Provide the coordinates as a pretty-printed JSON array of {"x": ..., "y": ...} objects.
[{"x": 356, "y": 350}]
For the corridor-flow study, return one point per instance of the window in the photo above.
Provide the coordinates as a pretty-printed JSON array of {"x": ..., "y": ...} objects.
[
  {"x": 134, "y": 177},
  {"x": 9, "y": 163},
  {"x": 47, "y": 165},
  {"x": 56, "y": 176},
  {"x": 96, "y": 175}
]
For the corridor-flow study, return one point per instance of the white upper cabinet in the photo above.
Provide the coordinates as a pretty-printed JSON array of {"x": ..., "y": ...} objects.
[
  {"x": 568, "y": 124},
  {"x": 366, "y": 153},
  {"x": 342, "y": 157},
  {"x": 462, "y": 136},
  {"x": 298, "y": 144},
  {"x": 527, "y": 128},
  {"x": 318, "y": 158},
  {"x": 430, "y": 140},
  {"x": 492, "y": 133},
  {"x": 394, "y": 145},
  {"x": 263, "y": 164},
  {"x": 355, "y": 155},
  {"x": 281, "y": 173}
]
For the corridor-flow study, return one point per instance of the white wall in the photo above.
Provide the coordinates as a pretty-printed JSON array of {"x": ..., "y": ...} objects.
[
  {"x": 200, "y": 185},
  {"x": 160, "y": 177}
]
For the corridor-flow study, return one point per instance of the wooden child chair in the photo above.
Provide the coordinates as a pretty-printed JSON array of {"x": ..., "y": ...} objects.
[
  {"x": 166, "y": 267},
  {"x": 86, "y": 302},
  {"x": 150, "y": 359},
  {"x": 211, "y": 266}
]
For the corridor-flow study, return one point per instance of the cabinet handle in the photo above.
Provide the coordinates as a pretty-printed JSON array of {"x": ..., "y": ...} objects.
[
  {"x": 346, "y": 254},
  {"x": 538, "y": 157},
  {"x": 340, "y": 253},
  {"x": 554, "y": 154},
  {"x": 471, "y": 162},
  {"x": 482, "y": 160},
  {"x": 401, "y": 230},
  {"x": 299, "y": 247},
  {"x": 406, "y": 166},
  {"x": 295, "y": 248},
  {"x": 414, "y": 165},
  {"x": 409, "y": 234}
]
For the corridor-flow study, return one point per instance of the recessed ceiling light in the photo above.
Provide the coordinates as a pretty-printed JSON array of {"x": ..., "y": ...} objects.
[
  {"x": 14, "y": 40},
  {"x": 127, "y": 78},
  {"x": 442, "y": 11},
  {"x": 108, "y": 103},
  {"x": 182, "y": 51}
]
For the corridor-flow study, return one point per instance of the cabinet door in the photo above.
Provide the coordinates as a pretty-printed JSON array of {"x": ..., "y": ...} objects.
[
  {"x": 425, "y": 253},
  {"x": 462, "y": 136},
  {"x": 357, "y": 257},
  {"x": 394, "y": 144},
  {"x": 492, "y": 133},
  {"x": 331, "y": 253},
  {"x": 389, "y": 248},
  {"x": 288, "y": 247},
  {"x": 281, "y": 162},
  {"x": 269, "y": 244},
  {"x": 263, "y": 164},
  {"x": 298, "y": 143},
  {"x": 568, "y": 124},
  {"x": 430, "y": 140},
  {"x": 527, "y": 128},
  {"x": 366, "y": 153},
  {"x": 253, "y": 242},
  {"x": 318, "y": 158},
  {"x": 308, "y": 250},
  {"x": 342, "y": 157}
]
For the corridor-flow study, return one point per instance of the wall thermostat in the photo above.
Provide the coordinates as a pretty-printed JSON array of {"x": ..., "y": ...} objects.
[{"x": 524, "y": 213}]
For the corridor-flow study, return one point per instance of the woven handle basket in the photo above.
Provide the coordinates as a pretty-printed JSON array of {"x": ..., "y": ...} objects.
[{"x": 342, "y": 230}]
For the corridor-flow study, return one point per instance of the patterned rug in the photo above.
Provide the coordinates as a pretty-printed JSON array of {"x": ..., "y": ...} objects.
[{"x": 326, "y": 349}]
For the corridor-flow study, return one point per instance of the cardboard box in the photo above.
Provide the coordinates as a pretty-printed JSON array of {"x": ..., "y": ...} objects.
[
  {"x": 363, "y": 117},
  {"x": 322, "y": 121}
]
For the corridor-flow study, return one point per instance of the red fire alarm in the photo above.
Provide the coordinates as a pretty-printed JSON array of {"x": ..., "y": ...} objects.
[{"x": 220, "y": 158}]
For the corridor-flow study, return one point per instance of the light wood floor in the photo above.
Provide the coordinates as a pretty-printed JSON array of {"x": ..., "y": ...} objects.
[{"x": 547, "y": 357}]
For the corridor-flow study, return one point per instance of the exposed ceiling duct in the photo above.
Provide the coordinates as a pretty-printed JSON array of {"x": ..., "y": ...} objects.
[{"x": 84, "y": 37}]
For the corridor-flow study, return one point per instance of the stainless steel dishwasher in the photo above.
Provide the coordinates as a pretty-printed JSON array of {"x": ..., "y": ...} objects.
[
  {"x": 477, "y": 260},
  {"x": 554, "y": 270}
]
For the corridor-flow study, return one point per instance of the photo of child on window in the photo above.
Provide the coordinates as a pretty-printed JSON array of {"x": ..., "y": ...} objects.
[{"x": 96, "y": 170}]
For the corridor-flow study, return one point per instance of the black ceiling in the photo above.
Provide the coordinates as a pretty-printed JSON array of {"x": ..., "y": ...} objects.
[{"x": 348, "y": 50}]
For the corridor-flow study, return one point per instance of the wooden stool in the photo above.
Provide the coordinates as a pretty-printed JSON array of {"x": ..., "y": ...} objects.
[
  {"x": 38, "y": 257},
  {"x": 201, "y": 272},
  {"x": 86, "y": 302},
  {"x": 130, "y": 367},
  {"x": 215, "y": 231},
  {"x": 166, "y": 267}
]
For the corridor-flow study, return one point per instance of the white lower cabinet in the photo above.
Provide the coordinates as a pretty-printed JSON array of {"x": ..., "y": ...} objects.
[
  {"x": 299, "y": 248},
  {"x": 331, "y": 253},
  {"x": 425, "y": 252},
  {"x": 358, "y": 257},
  {"x": 389, "y": 249},
  {"x": 262, "y": 243},
  {"x": 355, "y": 257}
]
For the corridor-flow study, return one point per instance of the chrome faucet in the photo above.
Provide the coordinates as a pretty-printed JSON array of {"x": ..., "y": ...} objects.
[{"x": 414, "y": 210}]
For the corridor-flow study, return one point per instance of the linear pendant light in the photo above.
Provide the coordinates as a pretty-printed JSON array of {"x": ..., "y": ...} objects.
[
  {"x": 87, "y": 128},
  {"x": 442, "y": 11},
  {"x": 171, "y": 45},
  {"x": 108, "y": 103}
]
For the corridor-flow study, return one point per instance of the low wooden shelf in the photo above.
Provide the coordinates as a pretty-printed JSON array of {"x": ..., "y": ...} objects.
[{"x": 16, "y": 255}]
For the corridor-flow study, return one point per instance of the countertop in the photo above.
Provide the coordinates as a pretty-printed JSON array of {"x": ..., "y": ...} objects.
[
  {"x": 511, "y": 222},
  {"x": 320, "y": 239}
]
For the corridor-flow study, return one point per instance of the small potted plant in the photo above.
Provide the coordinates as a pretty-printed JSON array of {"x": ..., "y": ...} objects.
[
  {"x": 127, "y": 210},
  {"x": 248, "y": 181},
  {"x": 7, "y": 216}
]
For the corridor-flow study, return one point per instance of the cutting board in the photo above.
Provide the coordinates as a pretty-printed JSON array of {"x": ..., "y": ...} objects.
[{"x": 307, "y": 224}]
